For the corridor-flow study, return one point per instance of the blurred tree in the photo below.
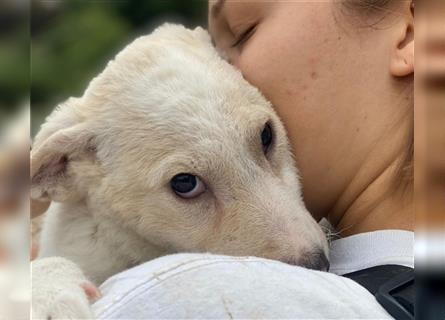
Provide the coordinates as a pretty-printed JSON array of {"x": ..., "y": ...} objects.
[
  {"x": 71, "y": 51},
  {"x": 14, "y": 70},
  {"x": 14, "y": 56}
]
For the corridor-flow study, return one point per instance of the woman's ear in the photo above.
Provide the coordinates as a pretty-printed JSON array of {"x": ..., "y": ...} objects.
[{"x": 402, "y": 58}]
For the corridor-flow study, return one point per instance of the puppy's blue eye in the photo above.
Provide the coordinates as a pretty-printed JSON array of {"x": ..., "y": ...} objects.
[
  {"x": 266, "y": 137},
  {"x": 187, "y": 185}
]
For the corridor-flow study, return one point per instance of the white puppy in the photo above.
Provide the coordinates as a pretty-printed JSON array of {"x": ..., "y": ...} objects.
[{"x": 169, "y": 150}]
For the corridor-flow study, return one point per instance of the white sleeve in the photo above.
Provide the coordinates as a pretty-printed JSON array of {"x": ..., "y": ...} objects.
[{"x": 211, "y": 286}]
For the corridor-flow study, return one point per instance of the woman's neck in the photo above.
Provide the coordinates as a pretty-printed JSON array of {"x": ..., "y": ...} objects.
[{"x": 383, "y": 204}]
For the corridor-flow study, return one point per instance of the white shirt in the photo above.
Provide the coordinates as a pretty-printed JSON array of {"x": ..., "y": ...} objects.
[
  {"x": 370, "y": 249},
  {"x": 213, "y": 286}
]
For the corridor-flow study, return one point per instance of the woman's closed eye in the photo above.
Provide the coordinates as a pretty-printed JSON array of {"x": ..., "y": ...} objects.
[{"x": 244, "y": 36}]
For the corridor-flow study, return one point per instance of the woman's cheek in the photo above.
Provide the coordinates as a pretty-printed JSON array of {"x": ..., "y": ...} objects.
[
  {"x": 256, "y": 66},
  {"x": 293, "y": 84}
]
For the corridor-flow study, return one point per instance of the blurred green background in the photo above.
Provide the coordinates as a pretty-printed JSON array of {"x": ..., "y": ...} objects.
[
  {"x": 71, "y": 42},
  {"x": 14, "y": 57}
]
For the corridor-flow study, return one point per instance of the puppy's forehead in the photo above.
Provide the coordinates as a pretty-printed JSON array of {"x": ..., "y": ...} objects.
[{"x": 183, "y": 91}]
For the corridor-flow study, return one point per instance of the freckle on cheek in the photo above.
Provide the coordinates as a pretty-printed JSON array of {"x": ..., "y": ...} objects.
[{"x": 314, "y": 75}]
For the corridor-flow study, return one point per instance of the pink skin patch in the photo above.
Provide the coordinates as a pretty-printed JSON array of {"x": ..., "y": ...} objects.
[{"x": 91, "y": 291}]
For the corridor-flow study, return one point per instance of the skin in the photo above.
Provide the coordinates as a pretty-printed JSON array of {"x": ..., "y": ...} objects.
[{"x": 344, "y": 93}]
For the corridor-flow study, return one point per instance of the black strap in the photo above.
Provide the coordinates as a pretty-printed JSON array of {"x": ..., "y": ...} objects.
[{"x": 392, "y": 286}]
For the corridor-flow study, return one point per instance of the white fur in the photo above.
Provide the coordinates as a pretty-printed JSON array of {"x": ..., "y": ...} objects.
[{"x": 167, "y": 104}]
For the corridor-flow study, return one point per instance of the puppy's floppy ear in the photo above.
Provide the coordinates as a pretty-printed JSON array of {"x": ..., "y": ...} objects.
[{"x": 63, "y": 140}]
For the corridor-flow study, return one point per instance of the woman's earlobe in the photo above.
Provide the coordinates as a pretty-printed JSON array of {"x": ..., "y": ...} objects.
[
  {"x": 402, "y": 60},
  {"x": 402, "y": 63}
]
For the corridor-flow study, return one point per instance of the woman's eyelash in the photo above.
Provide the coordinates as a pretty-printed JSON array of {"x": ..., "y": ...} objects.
[{"x": 244, "y": 36}]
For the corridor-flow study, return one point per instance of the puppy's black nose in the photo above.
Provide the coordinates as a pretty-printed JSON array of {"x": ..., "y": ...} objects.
[{"x": 316, "y": 260}]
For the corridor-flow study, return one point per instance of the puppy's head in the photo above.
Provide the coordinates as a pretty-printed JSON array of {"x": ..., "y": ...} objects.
[{"x": 173, "y": 143}]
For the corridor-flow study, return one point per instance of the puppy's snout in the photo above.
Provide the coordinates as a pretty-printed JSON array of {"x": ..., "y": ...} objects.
[{"x": 316, "y": 260}]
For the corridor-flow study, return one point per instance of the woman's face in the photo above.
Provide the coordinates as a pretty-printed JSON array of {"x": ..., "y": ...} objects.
[{"x": 330, "y": 85}]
